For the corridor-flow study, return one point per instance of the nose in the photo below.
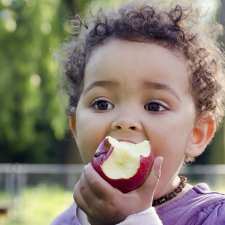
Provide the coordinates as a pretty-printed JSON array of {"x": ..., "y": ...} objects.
[{"x": 126, "y": 124}]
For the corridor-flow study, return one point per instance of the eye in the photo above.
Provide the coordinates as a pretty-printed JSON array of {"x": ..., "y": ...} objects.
[
  {"x": 102, "y": 104},
  {"x": 155, "y": 106}
]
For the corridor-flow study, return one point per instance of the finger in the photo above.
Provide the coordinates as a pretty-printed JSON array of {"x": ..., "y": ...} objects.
[
  {"x": 87, "y": 200},
  {"x": 93, "y": 221},
  {"x": 85, "y": 191},
  {"x": 97, "y": 184},
  {"x": 157, "y": 166},
  {"x": 143, "y": 196},
  {"x": 153, "y": 179},
  {"x": 78, "y": 198}
]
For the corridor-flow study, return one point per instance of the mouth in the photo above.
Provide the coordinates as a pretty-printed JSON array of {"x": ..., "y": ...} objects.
[{"x": 127, "y": 140}]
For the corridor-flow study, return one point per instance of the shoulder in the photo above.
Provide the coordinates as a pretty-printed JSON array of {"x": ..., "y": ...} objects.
[
  {"x": 210, "y": 205},
  {"x": 68, "y": 217},
  {"x": 202, "y": 195},
  {"x": 199, "y": 205}
]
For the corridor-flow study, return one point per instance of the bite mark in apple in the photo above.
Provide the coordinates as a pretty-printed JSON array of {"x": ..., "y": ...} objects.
[{"x": 124, "y": 165}]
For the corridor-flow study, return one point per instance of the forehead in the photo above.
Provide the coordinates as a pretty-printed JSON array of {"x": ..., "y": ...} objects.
[{"x": 132, "y": 60}]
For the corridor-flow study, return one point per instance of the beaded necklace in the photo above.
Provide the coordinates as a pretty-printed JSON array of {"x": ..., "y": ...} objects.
[{"x": 173, "y": 194}]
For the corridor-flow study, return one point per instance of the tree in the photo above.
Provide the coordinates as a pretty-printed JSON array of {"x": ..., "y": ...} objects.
[{"x": 32, "y": 114}]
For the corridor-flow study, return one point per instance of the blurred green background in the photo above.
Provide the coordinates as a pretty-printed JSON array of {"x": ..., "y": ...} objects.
[{"x": 33, "y": 123}]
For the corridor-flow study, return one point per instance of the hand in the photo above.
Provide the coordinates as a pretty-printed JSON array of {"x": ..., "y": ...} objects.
[{"x": 105, "y": 205}]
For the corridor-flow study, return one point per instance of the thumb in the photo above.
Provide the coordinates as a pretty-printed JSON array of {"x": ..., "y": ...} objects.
[
  {"x": 152, "y": 180},
  {"x": 156, "y": 168}
]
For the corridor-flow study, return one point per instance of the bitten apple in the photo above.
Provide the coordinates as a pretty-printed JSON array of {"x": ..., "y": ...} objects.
[{"x": 124, "y": 165}]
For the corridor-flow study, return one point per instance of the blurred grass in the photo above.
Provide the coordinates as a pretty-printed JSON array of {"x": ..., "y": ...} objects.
[{"x": 37, "y": 206}]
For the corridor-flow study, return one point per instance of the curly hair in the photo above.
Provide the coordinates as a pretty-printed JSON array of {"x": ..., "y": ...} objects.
[{"x": 170, "y": 28}]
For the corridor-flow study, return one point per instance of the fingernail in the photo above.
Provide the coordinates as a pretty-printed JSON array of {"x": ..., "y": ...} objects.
[
  {"x": 159, "y": 161},
  {"x": 158, "y": 166}
]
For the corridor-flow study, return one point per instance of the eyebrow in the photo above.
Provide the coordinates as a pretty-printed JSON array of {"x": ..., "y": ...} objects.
[
  {"x": 101, "y": 83},
  {"x": 160, "y": 86},
  {"x": 146, "y": 85}
]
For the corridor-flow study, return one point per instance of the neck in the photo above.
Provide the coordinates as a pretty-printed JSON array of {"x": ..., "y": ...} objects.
[
  {"x": 165, "y": 189},
  {"x": 178, "y": 191}
]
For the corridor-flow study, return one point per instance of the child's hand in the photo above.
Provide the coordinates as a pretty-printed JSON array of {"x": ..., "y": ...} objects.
[{"x": 105, "y": 205}]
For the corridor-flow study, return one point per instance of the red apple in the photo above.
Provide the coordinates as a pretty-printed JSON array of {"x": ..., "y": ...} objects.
[{"x": 124, "y": 165}]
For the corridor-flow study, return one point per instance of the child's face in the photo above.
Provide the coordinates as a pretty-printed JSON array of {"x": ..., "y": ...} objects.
[{"x": 135, "y": 91}]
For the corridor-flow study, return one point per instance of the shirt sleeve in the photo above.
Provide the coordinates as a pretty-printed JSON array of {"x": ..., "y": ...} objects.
[
  {"x": 68, "y": 217},
  {"x": 146, "y": 217}
]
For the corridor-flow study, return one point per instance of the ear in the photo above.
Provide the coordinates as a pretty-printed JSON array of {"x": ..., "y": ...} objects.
[
  {"x": 72, "y": 124},
  {"x": 202, "y": 133}
]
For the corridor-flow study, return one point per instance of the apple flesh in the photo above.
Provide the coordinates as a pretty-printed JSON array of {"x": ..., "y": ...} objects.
[{"x": 124, "y": 165}]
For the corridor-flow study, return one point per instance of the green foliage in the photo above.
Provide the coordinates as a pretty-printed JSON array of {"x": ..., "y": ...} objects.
[
  {"x": 32, "y": 108},
  {"x": 33, "y": 124}
]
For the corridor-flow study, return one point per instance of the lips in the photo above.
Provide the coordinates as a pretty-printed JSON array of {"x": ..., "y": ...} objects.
[
  {"x": 126, "y": 140},
  {"x": 129, "y": 139}
]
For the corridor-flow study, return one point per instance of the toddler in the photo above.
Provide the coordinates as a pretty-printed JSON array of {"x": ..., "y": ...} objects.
[{"x": 145, "y": 72}]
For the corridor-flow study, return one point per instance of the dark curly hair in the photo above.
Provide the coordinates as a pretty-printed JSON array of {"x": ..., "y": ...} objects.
[{"x": 171, "y": 28}]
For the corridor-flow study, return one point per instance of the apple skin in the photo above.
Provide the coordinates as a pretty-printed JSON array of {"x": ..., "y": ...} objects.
[{"x": 124, "y": 185}]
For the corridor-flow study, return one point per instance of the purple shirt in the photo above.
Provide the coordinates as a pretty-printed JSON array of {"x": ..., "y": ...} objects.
[{"x": 198, "y": 206}]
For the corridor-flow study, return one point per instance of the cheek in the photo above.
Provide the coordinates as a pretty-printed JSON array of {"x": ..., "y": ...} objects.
[
  {"x": 171, "y": 137},
  {"x": 90, "y": 130},
  {"x": 170, "y": 144}
]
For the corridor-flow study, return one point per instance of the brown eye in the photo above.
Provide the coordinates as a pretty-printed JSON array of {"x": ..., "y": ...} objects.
[
  {"x": 102, "y": 104},
  {"x": 155, "y": 107}
]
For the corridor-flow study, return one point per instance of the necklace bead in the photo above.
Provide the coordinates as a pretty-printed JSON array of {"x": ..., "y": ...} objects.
[{"x": 173, "y": 194}]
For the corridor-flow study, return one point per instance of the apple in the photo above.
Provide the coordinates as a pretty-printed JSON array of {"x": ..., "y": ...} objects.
[{"x": 124, "y": 165}]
